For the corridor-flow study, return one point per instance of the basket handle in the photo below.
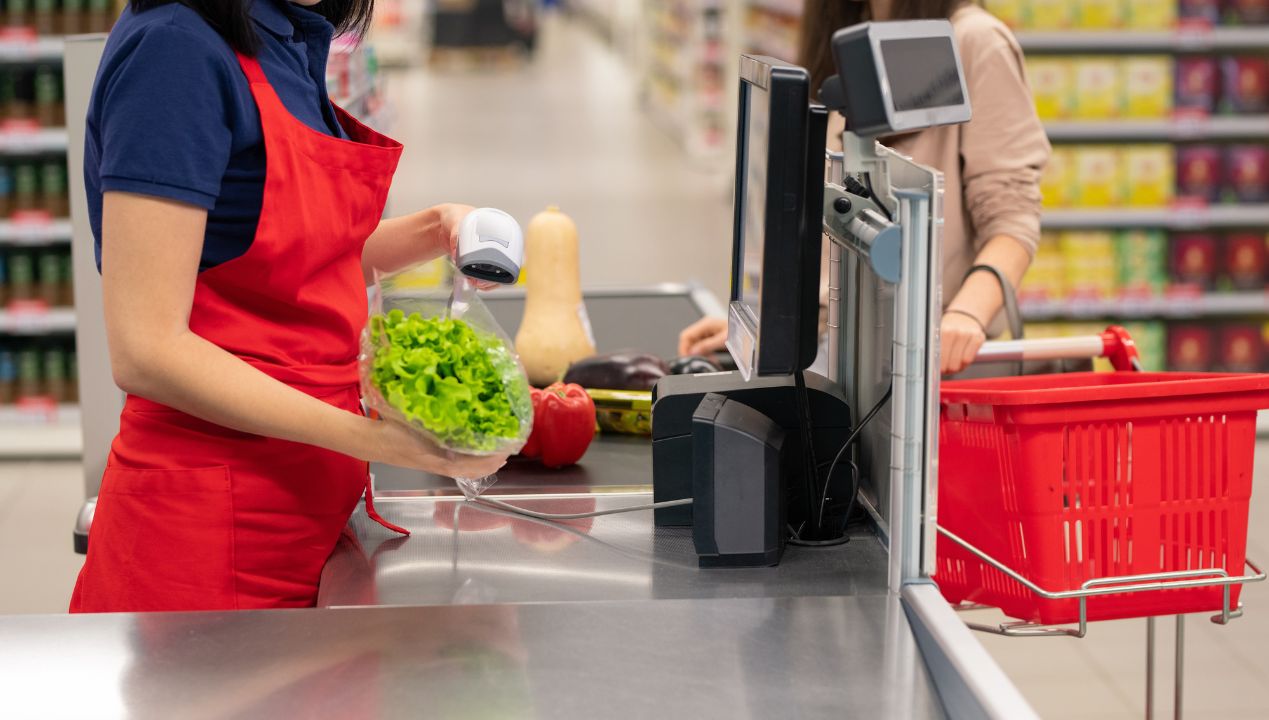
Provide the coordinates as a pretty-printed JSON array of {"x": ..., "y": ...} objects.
[{"x": 1114, "y": 343}]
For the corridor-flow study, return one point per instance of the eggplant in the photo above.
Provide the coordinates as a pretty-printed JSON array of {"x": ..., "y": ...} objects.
[
  {"x": 694, "y": 365},
  {"x": 625, "y": 370}
]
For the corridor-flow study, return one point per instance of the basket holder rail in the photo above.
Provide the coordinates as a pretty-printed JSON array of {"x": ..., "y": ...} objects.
[
  {"x": 1203, "y": 577},
  {"x": 1114, "y": 344}
]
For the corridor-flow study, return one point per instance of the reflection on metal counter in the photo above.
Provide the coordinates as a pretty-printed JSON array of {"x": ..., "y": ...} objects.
[{"x": 461, "y": 552}]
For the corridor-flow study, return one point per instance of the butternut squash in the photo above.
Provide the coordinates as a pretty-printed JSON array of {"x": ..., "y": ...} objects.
[{"x": 554, "y": 331}]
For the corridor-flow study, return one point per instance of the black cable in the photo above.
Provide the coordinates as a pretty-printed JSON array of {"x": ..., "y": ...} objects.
[
  {"x": 846, "y": 446},
  {"x": 810, "y": 471},
  {"x": 876, "y": 200}
]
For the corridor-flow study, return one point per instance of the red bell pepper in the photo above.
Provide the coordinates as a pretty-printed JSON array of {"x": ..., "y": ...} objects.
[{"x": 563, "y": 425}]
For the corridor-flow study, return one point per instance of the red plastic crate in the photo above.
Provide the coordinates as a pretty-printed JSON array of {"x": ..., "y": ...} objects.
[{"x": 1067, "y": 478}]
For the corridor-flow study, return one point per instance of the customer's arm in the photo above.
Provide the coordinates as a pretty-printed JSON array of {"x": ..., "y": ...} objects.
[{"x": 1003, "y": 151}]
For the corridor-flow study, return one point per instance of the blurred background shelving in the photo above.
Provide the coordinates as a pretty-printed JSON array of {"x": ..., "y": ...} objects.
[
  {"x": 1157, "y": 195},
  {"x": 38, "y": 415},
  {"x": 686, "y": 58}
]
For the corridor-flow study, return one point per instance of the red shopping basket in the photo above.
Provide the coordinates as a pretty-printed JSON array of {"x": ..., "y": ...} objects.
[{"x": 1069, "y": 478}]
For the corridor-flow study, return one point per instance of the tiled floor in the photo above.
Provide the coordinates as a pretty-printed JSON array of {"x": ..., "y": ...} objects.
[{"x": 567, "y": 130}]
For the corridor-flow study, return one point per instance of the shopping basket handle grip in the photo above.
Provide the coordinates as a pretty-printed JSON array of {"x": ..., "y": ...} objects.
[{"x": 1114, "y": 344}]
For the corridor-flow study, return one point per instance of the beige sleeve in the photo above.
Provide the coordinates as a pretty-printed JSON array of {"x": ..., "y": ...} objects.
[{"x": 1003, "y": 148}]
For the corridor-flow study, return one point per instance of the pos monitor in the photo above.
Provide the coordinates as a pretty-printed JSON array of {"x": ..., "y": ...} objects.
[
  {"x": 895, "y": 77},
  {"x": 773, "y": 317}
]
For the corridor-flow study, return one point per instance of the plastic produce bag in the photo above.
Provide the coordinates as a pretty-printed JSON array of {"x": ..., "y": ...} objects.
[{"x": 437, "y": 361}]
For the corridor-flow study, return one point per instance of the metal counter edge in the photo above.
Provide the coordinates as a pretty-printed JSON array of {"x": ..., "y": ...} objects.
[{"x": 969, "y": 681}]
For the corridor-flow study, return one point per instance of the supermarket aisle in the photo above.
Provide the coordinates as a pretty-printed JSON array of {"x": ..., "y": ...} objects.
[
  {"x": 38, "y": 503},
  {"x": 647, "y": 215},
  {"x": 566, "y": 130}
]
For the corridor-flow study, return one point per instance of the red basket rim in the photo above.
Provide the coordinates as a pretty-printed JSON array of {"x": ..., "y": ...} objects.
[{"x": 1097, "y": 387}]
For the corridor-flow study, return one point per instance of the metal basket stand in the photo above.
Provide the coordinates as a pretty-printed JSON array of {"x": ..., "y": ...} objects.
[{"x": 1203, "y": 577}]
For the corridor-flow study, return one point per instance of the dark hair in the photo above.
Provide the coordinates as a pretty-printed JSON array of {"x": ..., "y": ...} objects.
[
  {"x": 821, "y": 18},
  {"x": 232, "y": 18}
]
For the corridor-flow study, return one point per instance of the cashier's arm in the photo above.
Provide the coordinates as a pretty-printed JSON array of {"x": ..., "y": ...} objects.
[
  {"x": 403, "y": 241},
  {"x": 150, "y": 255}
]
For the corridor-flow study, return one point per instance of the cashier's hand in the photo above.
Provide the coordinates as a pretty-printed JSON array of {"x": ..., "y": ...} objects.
[
  {"x": 392, "y": 443},
  {"x": 960, "y": 337},
  {"x": 703, "y": 337},
  {"x": 452, "y": 215}
]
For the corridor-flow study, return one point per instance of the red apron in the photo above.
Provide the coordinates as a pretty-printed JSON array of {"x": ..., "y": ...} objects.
[{"x": 194, "y": 516}]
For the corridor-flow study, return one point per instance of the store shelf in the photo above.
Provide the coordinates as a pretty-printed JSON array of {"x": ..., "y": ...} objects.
[
  {"x": 1115, "y": 41},
  {"x": 44, "y": 140},
  {"x": 26, "y": 433},
  {"x": 40, "y": 49},
  {"x": 29, "y": 233},
  {"x": 1213, "y": 128},
  {"x": 42, "y": 322},
  {"x": 1216, "y": 216},
  {"x": 1210, "y": 305},
  {"x": 792, "y": 8}
]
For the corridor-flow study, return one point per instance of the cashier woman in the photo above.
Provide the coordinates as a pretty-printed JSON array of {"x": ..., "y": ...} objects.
[
  {"x": 995, "y": 160},
  {"x": 237, "y": 215}
]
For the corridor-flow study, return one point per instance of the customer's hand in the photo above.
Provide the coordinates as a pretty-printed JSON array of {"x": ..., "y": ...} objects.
[
  {"x": 392, "y": 443},
  {"x": 704, "y": 337},
  {"x": 961, "y": 336}
]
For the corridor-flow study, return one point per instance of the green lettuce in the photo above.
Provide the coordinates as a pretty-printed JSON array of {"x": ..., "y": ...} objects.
[{"x": 461, "y": 385}]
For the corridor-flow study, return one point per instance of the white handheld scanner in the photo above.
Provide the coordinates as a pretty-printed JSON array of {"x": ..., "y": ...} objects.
[{"x": 490, "y": 246}]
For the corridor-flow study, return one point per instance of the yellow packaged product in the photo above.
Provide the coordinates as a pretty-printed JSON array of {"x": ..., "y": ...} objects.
[
  {"x": 1149, "y": 14},
  {"x": 1099, "y": 14},
  {"x": 1049, "y": 14},
  {"x": 1010, "y": 12},
  {"x": 1055, "y": 181},
  {"x": 1046, "y": 277},
  {"x": 1096, "y": 177},
  {"x": 1096, "y": 92},
  {"x": 1091, "y": 267},
  {"x": 626, "y": 412},
  {"x": 1146, "y": 82},
  {"x": 431, "y": 275},
  {"x": 1050, "y": 80},
  {"x": 1041, "y": 331},
  {"x": 1149, "y": 173}
]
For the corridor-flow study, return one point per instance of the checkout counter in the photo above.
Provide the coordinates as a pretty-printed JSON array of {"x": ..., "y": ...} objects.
[{"x": 481, "y": 612}]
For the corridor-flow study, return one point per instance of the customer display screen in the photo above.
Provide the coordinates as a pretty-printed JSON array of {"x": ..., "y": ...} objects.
[
  {"x": 922, "y": 72},
  {"x": 753, "y": 228}
]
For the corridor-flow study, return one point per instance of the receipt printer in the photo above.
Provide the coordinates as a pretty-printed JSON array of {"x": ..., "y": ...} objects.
[{"x": 737, "y": 462}]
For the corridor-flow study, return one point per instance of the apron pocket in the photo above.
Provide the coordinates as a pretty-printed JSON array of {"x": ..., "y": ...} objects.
[{"x": 162, "y": 540}]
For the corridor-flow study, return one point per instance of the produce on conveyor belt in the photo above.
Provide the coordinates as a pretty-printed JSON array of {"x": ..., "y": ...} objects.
[
  {"x": 626, "y": 412},
  {"x": 693, "y": 365},
  {"x": 625, "y": 370},
  {"x": 563, "y": 425},
  {"x": 555, "y": 330},
  {"x": 462, "y": 386}
]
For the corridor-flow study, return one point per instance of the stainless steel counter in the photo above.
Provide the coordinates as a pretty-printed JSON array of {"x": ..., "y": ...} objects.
[
  {"x": 815, "y": 657},
  {"x": 481, "y": 613},
  {"x": 461, "y": 553}
]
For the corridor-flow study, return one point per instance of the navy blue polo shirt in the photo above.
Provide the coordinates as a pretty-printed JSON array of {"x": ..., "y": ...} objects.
[{"x": 172, "y": 115}]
